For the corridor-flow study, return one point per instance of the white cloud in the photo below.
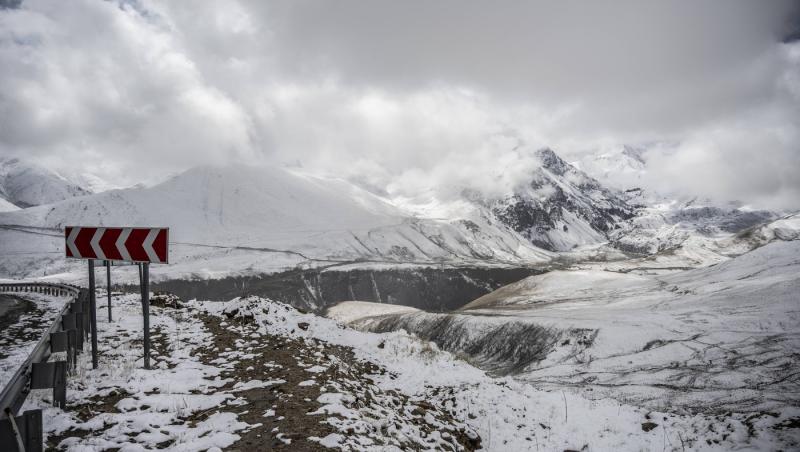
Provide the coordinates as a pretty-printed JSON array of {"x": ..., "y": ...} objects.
[{"x": 406, "y": 95}]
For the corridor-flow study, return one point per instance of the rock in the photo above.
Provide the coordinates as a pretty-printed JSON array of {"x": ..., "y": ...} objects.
[{"x": 647, "y": 426}]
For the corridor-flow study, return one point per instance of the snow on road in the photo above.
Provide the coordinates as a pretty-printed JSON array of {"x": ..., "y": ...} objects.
[{"x": 22, "y": 326}]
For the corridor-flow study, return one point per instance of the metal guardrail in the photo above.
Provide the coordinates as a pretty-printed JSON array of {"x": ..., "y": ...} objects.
[{"x": 67, "y": 334}]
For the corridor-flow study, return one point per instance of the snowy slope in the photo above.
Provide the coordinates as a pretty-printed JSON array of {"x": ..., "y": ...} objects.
[
  {"x": 676, "y": 235},
  {"x": 714, "y": 339},
  {"x": 237, "y": 218},
  {"x": 6, "y": 206},
  {"x": 24, "y": 184}
]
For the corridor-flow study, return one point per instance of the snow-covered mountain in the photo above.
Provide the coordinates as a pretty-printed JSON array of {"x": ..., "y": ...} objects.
[
  {"x": 244, "y": 220},
  {"x": 699, "y": 229},
  {"x": 25, "y": 184},
  {"x": 261, "y": 218},
  {"x": 560, "y": 207}
]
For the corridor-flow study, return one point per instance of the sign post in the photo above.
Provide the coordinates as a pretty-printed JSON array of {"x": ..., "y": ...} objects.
[
  {"x": 93, "y": 313},
  {"x": 146, "y": 311},
  {"x": 108, "y": 288},
  {"x": 141, "y": 246}
]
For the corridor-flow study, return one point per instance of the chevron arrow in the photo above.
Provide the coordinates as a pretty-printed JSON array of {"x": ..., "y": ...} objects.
[{"x": 117, "y": 244}]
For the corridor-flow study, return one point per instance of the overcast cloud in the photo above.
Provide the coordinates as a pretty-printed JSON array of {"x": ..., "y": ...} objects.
[{"x": 407, "y": 96}]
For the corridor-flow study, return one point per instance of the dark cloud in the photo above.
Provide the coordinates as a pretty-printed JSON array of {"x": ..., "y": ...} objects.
[{"x": 8, "y": 4}]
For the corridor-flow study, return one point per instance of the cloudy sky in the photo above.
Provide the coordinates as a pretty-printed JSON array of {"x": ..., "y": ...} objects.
[{"x": 407, "y": 95}]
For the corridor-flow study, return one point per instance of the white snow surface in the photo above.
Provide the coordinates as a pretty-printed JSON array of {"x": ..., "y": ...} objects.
[
  {"x": 6, "y": 206},
  {"x": 154, "y": 402},
  {"x": 349, "y": 311}
]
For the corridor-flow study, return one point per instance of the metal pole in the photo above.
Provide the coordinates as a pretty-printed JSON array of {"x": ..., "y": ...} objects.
[
  {"x": 146, "y": 311},
  {"x": 108, "y": 287},
  {"x": 93, "y": 313}
]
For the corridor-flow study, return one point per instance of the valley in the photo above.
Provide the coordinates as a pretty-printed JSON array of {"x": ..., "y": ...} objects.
[{"x": 430, "y": 288}]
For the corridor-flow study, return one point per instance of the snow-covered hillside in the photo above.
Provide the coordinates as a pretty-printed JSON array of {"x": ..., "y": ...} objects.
[
  {"x": 237, "y": 218},
  {"x": 715, "y": 339},
  {"x": 702, "y": 233},
  {"x": 24, "y": 184}
]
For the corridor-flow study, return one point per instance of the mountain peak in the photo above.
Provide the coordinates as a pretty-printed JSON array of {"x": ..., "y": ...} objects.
[
  {"x": 634, "y": 153},
  {"x": 551, "y": 161},
  {"x": 561, "y": 207}
]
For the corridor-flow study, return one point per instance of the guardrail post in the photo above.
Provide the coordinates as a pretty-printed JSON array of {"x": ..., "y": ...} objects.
[
  {"x": 51, "y": 375},
  {"x": 79, "y": 330},
  {"x": 60, "y": 384},
  {"x": 25, "y": 429},
  {"x": 72, "y": 348},
  {"x": 84, "y": 299}
]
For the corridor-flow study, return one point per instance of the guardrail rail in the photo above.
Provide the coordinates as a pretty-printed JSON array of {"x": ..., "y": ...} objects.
[{"x": 67, "y": 333}]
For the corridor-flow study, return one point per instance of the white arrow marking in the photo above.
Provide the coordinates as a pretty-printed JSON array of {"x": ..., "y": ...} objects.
[
  {"x": 95, "y": 242},
  {"x": 71, "y": 241},
  {"x": 148, "y": 245},
  {"x": 121, "y": 244}
]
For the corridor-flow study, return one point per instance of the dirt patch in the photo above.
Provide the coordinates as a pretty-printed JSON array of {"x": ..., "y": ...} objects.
[
  {"x": 273, "y": 358},
  {"x": 85, "y": 412},
  {"x": 308, "y": 368}
]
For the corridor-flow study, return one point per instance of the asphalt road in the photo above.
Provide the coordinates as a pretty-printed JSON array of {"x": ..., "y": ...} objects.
[{"x": 11, "y": 307}]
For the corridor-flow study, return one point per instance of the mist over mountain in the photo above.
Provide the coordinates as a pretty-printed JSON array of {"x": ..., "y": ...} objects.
[{"x": 24, "y": 184}]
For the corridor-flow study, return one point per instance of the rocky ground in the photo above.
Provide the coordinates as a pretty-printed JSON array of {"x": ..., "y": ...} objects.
[{"x": 217, "y": 381}]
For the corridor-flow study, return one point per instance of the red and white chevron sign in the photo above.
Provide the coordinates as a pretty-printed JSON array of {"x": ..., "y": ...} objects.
[{"x": 118, "y": 244}]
